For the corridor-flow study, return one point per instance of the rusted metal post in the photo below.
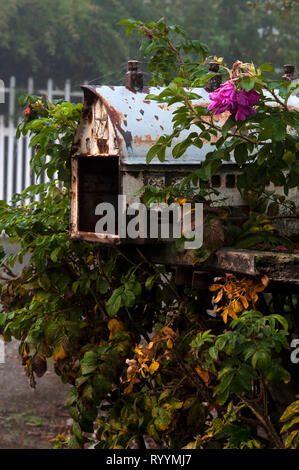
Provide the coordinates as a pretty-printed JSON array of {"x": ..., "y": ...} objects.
[
  {"x": 214, "y": 82},
  {"x": 134, "y": 78},
  {"x": 289, "y": 72}
]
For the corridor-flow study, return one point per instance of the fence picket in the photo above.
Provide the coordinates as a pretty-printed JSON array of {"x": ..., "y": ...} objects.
[
  {"x": 10, "y": 161},
  {"x": 19, "y": 166},
  {"x": 12, "y": 97},
  {"x": 15, "y": 155},
  {"x": 2, "y": 158}
]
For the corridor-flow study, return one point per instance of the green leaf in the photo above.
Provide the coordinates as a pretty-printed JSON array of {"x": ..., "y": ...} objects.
[
  {"x": 54, "y": 254},
  {"x": 102, "y": 385},
  {"x": 247, "y": 83},
  {"x": 115, "y": 302},
  {"x": 128, "y": 298},
  {"x": 152, "y": 153},
  {"x": 267, "y": 67},
  {"x": 89, "y": 362},
  {"x": 282, "y": 320},
  {"x": 150, "y": 282},
  {"x": 241, "y": 153},
  {"x": 181, "y": 148}
]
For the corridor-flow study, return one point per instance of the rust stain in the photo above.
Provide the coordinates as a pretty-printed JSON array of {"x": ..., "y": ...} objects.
[
  {"x": 157, "y": 117},
  {"x": 141, "y": 111},
  {"x": 147, "y": 139},
  {"x": 138, "y": 119},
  {"x": 102, "y": 146},
  {"x": 163, "y": 106},
  {"x": 87, "y": 114},
  {"x": 115, "y": 116},
  {"x": 147, "y": 101}
]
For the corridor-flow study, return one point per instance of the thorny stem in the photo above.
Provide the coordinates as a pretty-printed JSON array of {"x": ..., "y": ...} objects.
[
  {"x": 195, "y": 380},
  {"x": 278, "y": 100},
  {"x": 265, "y": 421},
  {"x": 150, "y": 34},
  {"x": 175, "y": 50},
  {"x": 174, "y": 291},
  {"x": 8, "y": 271},
  {"x": 219, "y": 129},
  {"x": 170, "y": 285},
  {"x": 102, "y": 271}
]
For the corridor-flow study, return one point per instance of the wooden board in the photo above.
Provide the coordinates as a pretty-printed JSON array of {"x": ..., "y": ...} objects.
[{"x": 279, "y": 267}]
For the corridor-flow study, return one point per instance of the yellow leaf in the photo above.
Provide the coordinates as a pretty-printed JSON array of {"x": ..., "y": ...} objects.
[
  {"x": 168, "y": 330},
  {"x": 224, "y": 315},
  {"x": 265, "y": 280},
  {"x": 190, "y": 445},
  {"x": 178, "y": 404},
  {"x": 129, "y": 388},
  {"x": 269, "y": 227},
  {"x": 237, "y": 306},
  {"x": 169, "y": 344},
  {"x": 232, "y": 312},
  {"x": 203, "y": 374},
  {"x": 144, "y": 367},
  {"x": 214, "y": 287},
  {"x": 219, "y": 296},
  {"x": 114, "y": 326},
  {"x": 244, "y": 301},
  {"x": 154, "y": 367},
  {"x": 139, "y": 351},
  {"x": 59, "y": 353},
  {"x": 90, "y": 259}
]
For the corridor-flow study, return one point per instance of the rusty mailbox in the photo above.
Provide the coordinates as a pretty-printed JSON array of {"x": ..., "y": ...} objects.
[{"x": 117, "y": 127}]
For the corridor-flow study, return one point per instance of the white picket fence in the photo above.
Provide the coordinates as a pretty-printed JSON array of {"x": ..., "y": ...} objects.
[{"x": 15, "y": 154}]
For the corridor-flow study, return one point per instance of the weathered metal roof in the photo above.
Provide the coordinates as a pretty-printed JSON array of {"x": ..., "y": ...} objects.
[
  {"x": 124, "y": 123},
  {"x": 139, "y": 123}
]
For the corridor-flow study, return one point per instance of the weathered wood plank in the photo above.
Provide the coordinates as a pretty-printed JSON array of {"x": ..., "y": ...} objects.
[{"x": 279, "y": 267}]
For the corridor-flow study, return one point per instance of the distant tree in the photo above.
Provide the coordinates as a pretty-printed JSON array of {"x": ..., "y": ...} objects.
[
  {"x": 82, "y": 41},
  {"x": 63, "y": 38},
  {"x": 233, "y": 29},
  {"x": 282, "y": 6}
]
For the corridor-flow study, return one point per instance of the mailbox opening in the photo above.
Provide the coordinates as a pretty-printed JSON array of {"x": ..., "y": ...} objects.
[{"x": 94, "y": 181}]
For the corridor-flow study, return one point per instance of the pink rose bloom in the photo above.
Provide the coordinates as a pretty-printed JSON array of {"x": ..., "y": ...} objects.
[
  {"x": 237, "y": 102},
  {"x": 223, "y": 97}
]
